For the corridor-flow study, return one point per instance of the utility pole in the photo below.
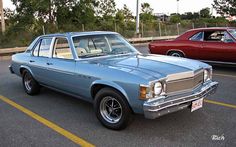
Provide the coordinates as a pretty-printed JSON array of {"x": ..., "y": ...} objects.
[
  {"x": 177, "y": 6},
  {"x": 137, "y": 18},
  {"x": 2, "y": 17}
]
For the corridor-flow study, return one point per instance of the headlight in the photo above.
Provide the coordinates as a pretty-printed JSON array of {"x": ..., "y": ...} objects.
[
  {"x": 157, "y": 88},
  {"x": 151, "y": 91},
  {"x": 207, "y": 74}
]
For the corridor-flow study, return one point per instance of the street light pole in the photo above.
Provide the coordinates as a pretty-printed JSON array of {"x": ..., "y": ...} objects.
[
  {"x": 177, "y": 6},
  {"x": 2, "y": 17},
  {"x": 137, "y": 18}
]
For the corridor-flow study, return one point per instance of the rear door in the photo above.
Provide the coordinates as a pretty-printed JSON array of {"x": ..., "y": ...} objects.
[{"x": 39, "y": 59}]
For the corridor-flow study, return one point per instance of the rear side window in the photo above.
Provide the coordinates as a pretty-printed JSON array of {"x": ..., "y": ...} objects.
[
  {"x": 197, "y": 37},
  {"x": 44, "y": 47},
  {"x": 62, "y": 49}
]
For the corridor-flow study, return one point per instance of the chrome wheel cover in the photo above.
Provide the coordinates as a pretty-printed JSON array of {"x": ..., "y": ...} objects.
[
  {"x": 176, "y": 55},
  {"x": 110, "y": 109},
  {"x": 28, "y": 82}
]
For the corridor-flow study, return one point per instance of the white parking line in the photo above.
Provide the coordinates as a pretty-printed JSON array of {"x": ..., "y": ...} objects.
[{"x": 53, "y": 126}]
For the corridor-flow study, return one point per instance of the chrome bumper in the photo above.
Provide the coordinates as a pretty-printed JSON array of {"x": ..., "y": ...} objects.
[{"x": 157, "y": 107}]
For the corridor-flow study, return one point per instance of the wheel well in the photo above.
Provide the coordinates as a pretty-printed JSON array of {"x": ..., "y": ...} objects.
[
  {"x": 97, "y": 87},
  {"x": 175, "y": 51},
  {"x": 22, "y": 70}
]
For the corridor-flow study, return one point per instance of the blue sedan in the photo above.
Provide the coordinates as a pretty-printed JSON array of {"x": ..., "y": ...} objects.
[{"x": 104, "y": 69}]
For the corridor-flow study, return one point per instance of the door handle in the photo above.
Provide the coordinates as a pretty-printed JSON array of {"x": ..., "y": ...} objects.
[
  {"x": 31, "y": 61},
  {"x": 49, "y": 64}
]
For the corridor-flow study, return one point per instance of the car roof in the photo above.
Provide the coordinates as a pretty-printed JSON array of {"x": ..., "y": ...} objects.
[
  {"x": 212, "y": 28},
  {"x": 186, "y": 35},
  {"x": 79, "y": 33}
]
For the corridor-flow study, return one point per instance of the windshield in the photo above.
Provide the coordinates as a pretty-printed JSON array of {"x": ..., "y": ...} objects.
[
  {"x": 101, "y": 45},
  {"x": 233, "y": 33}
]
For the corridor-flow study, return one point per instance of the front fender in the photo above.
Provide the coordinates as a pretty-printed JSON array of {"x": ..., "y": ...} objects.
[{"x": 111, "y": 84}]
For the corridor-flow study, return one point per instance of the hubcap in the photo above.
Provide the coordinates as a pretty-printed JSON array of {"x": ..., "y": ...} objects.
[
  {"x": 28, "y": 82},
  {"x": 110, "y": 109},
  {"x": 176, "y": 55}
]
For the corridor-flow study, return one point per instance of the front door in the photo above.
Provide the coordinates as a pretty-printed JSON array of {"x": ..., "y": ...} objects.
[
  {"x": 61, "y": 66},
  {"x": 217, "y": 46}
]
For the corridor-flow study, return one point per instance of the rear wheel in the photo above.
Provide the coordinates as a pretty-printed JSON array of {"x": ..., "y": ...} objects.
[
  {"x": 176, "y": 54},
  {"x": 112, "y": 109},
  {"x": 30, "y": 85}
]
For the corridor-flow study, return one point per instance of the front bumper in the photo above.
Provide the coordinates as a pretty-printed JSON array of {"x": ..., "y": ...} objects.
[
  {"x": 10, "y": 68},
  {"x": 157, "y": 107}
]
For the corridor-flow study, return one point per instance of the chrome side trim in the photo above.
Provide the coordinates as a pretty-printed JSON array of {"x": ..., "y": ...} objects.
[{"x": 61, "y": 71}]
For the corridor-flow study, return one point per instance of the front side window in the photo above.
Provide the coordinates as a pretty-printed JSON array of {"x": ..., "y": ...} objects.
[
  {"x": 101, "y": 45},
  {"x": 197, "y": 37},
  {"x": 44, "y": 48},
  {"x": 62, "y": 49},
  {"x": 213, "y": 35}
]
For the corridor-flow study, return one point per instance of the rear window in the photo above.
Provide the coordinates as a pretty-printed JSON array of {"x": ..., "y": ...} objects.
[{"x": 197, "y": 37}]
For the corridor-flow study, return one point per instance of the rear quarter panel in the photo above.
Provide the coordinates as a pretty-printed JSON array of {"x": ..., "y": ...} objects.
[
  {"x": 18, "y": 60},
  {"x": 189, "y": 48}
]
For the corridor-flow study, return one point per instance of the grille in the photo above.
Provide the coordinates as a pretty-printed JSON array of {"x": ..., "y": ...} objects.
[{"x": 184, "y": 84}]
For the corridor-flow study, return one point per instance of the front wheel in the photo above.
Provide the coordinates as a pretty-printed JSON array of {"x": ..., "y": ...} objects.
[
  {"x": 30, "y": 85},
  {"x": 112, "y": 109}
]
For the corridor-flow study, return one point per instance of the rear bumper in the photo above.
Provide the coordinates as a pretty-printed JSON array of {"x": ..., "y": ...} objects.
[
  {"x": 164, "y": 105},
  {"x": 10, "y": 68}
]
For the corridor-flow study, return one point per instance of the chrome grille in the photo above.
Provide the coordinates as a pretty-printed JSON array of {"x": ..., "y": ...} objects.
[{"x": 184, "y": 84}]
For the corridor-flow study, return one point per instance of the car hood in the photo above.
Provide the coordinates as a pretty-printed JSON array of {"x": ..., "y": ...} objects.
[{"x": 150, "y": 66}]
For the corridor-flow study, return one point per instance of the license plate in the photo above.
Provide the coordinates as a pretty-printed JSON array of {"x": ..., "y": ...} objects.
[{"x": 196, "y": 105}]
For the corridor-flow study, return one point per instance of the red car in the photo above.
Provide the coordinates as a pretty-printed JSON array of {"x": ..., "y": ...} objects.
[{"x": 216, "y": 45}]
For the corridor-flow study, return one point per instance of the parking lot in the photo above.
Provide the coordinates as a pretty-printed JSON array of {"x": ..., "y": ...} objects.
[{"x": 55, "y": 119}]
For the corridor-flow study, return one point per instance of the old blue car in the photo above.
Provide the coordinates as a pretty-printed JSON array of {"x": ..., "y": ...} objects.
[{"x": 104, "y": 69}]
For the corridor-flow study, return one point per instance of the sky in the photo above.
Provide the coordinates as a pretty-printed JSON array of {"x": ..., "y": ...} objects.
[{"x": 159, "y": 6}]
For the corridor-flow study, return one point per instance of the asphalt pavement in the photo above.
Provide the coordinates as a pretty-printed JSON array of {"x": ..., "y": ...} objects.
[{"x": 213, "y": 125}]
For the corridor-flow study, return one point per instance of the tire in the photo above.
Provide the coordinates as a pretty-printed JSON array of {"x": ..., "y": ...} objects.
[
  {"x": 112, "y": 109},
  {"x": 176, "y": 54},
  {"x": 30, "y": 85}
]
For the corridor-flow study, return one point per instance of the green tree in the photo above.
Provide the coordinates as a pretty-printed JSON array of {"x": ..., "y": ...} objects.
[
  {"x": 146, "y": 8},
  {"x": 146, "y": 13},
  {"x": 225, "y": 7},
  {"x": 175, "y": 18},
  {"x": 105, "y": 14},
  {"x": 128, "y": 16},
  {"x": 83, "y": 13},
  {"x": 106, "y": 8},
  {"x": 205, "y": 13}
]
